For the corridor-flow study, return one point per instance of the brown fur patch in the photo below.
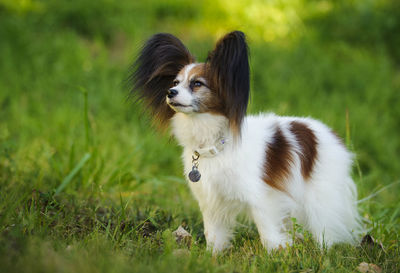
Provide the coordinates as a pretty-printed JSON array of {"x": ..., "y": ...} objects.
[
  {"x": 209, "y": 100},
  {"x": 278, "y": 160},
  {"x": 308, "y": 144},
  {"x": 197, "y": 71},
  {"x": 211, "y": 103}
]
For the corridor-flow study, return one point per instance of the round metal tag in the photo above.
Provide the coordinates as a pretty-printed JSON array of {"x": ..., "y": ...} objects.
[{"x": 194, "y": 175}]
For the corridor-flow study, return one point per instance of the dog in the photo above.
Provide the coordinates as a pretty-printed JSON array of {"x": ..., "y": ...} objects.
[{"x": 271, "y": 168}]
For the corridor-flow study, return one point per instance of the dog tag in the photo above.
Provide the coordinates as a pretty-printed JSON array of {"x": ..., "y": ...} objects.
[{"x": 194, "y": 175}]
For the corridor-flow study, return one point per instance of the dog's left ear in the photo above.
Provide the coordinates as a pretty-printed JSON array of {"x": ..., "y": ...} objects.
[
  {"x": 229, "y": 74},
  {"x": 153, "y": 72}
]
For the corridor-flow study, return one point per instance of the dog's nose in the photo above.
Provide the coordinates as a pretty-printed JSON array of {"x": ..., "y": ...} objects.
[{"x": 172, "y": 93}]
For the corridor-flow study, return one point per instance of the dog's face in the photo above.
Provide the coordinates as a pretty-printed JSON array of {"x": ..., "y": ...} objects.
[
  {"x": 168, "y": 80},
  {"x": 191, "y": 92}
]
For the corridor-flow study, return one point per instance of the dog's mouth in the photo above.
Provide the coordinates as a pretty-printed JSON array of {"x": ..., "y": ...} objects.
[
  {"x": 179, "y": 107},
  {"x": 175, "y": 104}
]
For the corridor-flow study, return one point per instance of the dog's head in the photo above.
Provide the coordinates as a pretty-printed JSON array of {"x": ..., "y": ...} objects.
[{"x": 167, "y": 79}]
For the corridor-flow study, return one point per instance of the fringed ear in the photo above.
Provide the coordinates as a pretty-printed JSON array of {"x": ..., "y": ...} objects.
[
  {"x": 229, "y": 74},
  {"x": 153, "y": 72}
]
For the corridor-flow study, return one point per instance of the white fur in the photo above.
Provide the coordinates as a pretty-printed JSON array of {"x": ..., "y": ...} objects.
[
  {"x": 231, "y": 181},
  {"x": 184, "y": 96}
]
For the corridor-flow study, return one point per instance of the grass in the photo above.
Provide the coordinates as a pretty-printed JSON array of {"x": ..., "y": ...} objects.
[{"x": 87, "y": 186}]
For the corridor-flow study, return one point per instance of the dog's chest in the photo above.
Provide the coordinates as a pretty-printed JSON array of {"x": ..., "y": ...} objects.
[
  {"x": 229, "y": 172},
  {"x": 220, "y": 175}
]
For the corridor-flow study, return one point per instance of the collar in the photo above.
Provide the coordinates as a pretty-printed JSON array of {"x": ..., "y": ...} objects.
[{"x": 211, "y": 151}]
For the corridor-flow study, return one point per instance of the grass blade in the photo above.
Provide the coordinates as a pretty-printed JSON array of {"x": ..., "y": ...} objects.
[
  {"x": 71, "y": 175},
  {"x": 378, "y": 191}
]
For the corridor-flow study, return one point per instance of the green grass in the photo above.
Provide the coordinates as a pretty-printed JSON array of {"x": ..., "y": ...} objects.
[{"x": 87, "y": 186}]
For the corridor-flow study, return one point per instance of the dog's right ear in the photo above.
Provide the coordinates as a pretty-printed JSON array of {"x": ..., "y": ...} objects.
[
  {"x": 229, "y": 76},
  {"x": 153, "y": 72}
]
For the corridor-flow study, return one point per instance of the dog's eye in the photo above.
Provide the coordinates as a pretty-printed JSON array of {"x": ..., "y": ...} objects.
[
  {"x": 176, "y": 82},
  {"x": 197, "y": 84}
]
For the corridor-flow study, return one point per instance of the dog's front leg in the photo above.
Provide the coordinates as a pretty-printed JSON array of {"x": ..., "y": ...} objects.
[
  {"x": 270, "y": 227},
  {"x": 218, "y": 227}
]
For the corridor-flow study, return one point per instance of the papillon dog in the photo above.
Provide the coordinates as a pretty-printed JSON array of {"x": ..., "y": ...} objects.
[{"x": 269, "y": 167}]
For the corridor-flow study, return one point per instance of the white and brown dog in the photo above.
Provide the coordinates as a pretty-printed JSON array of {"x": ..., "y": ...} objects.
[{"x": 271, "y": 168}]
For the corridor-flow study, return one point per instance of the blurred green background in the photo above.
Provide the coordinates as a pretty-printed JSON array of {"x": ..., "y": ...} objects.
[{"x": 66, "y": 126}]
